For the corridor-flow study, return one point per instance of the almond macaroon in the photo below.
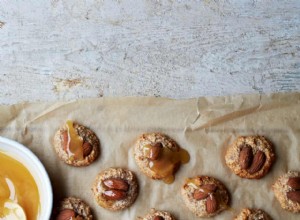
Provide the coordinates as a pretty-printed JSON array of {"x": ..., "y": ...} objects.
[
  {"x": 205, "y": 196},
  {"x": 157, "y": 215},
  {"x": 250, "y": 157},
  {"x": 253, "y": 214},
  {"x": 159, "y": 157},
  {"x": 76, "y": 144},
  {"x": 115, "y": 189},
  {"x": 73, "y": 208},
  {"x": 287, "y": 191}
]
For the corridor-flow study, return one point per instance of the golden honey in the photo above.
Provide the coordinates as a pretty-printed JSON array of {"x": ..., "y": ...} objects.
[
  {"x": 18, "y": 190},
  {"x": 194, "y": 182},
  {"x": 167, "y": 162},
  {"x": 75, "y": 142}
]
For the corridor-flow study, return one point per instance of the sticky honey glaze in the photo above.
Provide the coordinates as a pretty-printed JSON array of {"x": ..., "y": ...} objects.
[
  {"x": 19, "y": 195},
  {"x": 168, "y": 162},
  {"x": 75, "y": 142},
  {"x": 193, "y": 182}
]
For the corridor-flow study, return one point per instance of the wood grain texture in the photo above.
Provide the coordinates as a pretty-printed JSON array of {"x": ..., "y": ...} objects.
[{"x": 68, "y": 49}]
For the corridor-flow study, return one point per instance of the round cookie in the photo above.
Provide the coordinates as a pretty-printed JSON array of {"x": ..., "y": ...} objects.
[
  {"x": 205, "y": 196},
  {"x": 287, "y": 191},
  {"x": 253, "y": 214},
  {"x": 73, "y": 208},
  {"x": 250, "y": 157},
  {"x": 82, "y": 155},
  {"x": 157, "y": 215},
  {"x": 158, "y": 156},
  {"x": 115, "y": 188}
]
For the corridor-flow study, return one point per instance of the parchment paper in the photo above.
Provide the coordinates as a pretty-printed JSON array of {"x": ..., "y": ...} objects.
[{"x": 203, "y": 126}]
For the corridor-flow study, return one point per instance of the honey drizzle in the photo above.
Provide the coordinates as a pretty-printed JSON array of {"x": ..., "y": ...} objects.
[
  {"x": 75, "y": 142},
  {"x": 193, "y": 182},
  {"x": 167, "y": 162}
]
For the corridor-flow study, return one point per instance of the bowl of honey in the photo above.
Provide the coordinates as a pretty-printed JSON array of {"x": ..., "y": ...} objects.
[{"x": 25, "y": 188}]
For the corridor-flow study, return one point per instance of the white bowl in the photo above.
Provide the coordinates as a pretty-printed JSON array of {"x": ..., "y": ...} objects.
[{"x": 37, "y": 170}]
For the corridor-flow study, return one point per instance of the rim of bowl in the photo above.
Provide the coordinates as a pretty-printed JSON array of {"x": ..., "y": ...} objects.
[{"x": 41, "y": 167}]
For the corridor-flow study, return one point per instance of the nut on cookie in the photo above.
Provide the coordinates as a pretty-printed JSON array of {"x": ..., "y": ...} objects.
[
  {"x": 73, "y": 208},
  {"x": 287, "y": 191},
  {"x": 157, "y": 215},
  {"x": 250, "y": 156},
  {"x": 115, "y": 189},
  {"x": 76, "y": 144},
  {"x": 205, "y": 196},
  {"x": 253, "y": 214},
  {"x": 159, "y": 157}
]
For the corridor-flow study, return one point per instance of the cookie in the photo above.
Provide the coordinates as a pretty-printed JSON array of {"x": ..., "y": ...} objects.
[
  {"x": 287, "y": 191},
  {"x": 76, "y": 144},
  {"x": 250, "y": 157},
  {"x": 115, "y": 189},
  {"x": 253, "y": 214},
  {"x": 73, "y": 208},
  {"x": 159, "y": 157},
  {"x": 205, "y": 196},
  {"x": 157, "y": 215}
]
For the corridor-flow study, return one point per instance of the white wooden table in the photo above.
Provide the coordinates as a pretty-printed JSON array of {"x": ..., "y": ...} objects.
[{"x": 67, "y": 49}]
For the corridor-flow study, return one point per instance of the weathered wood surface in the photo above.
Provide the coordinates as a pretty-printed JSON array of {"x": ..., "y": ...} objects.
[{"x": 67, "y": 49}]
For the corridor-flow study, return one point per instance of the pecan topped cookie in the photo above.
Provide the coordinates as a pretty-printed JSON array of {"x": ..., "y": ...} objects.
[
  {"x": 250, "y": 156},
  {"x": 205, "y": 196},
  {"x": 159, "y": 157},
  {"x": 115, "y": 188},
  {"x": 76, "y": 144}
]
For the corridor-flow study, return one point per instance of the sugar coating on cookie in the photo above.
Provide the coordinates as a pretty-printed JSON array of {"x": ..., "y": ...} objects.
[
  {"x": 205, "y": 196},
  {"x": 287, "y": 191},
  {"x": 76, "y": 144},
  {"x": 253, "y": 214},
  {"x": 157, "y": 215},
  {"x": 73, "y": 208},
  {"x": 250, "y": 156},
  {"x": 115, "y": 189},
  {"x": 158, "y": 156}
]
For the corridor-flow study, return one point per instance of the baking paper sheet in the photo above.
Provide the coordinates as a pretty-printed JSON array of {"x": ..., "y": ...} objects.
[{"x": 203, "y": 126}]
